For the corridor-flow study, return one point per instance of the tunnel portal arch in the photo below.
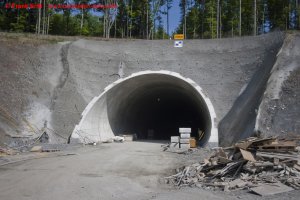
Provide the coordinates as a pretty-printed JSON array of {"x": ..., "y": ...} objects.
[{"x": 148, "y": 101}]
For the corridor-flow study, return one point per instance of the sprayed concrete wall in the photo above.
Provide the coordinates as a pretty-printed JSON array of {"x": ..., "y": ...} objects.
[
  {"x": 279, "y": 111},
  {"x": 161, "y": 101},
  {"x": 79, "y": 71}
]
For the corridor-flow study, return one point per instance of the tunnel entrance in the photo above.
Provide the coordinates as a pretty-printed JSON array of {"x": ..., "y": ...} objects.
[
  {"x": 160, "y": 112},
  {"x": 152, "y": 105},
  {"x": 156, "y": 110}
]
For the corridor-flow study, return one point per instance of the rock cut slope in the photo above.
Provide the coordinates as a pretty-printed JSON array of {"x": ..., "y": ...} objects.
[
  {"x": 279, "y": 112},
  {"x": 49, "y": 85}
]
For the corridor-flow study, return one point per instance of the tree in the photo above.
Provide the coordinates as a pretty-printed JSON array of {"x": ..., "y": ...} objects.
[
  {"x": 144, "y": 18},
  {"x": 156, "y": 5},
  {"x": 169, "y": 6},
  {"x": 182, "y": 6},
  {"x": 218, "y": 18},
  {"x": 109, "y": 17},
  {"x": 133, "y": 19},
  {"x": 240, "y": 19},
  {"x": 83, "y": 14}
]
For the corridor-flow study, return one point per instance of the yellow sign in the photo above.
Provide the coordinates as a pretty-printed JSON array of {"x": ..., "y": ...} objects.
[{"x": 179, "y": 37}]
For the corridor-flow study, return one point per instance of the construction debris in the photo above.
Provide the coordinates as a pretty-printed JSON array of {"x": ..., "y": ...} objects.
[
  {"x": 193, "y": 142},
  {"x": 185, "y": 130},
  {"x": 36, "y": 149},
  {"x": 175, "y": 139},
  {"x": 174, "y": 145},
  {"x": 130, "y": 137},
  {"x": 185, "y": 135},
  {"x": 7, "y": 151},
  {"x": 270, "y": 189},
  {"x": 182, "y": 143},
  {"x": 264, "y": 166},
  {"x": 118, "y": 139}
]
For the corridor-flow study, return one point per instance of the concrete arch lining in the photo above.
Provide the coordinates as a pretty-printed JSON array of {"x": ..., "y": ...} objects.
[{"x": 161, "y": 101}]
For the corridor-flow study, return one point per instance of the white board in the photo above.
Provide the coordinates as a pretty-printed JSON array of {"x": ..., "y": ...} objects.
[{"x": 178, "y": 43}]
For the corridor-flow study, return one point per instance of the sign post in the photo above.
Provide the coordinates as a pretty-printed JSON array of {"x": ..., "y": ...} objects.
[
  {"x": 179, "y": 37},
  {"x": 178, "y": 40},
  {"x": 178, "y": 43}
]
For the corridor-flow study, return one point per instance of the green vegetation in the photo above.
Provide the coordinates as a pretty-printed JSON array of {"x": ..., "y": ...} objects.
[
  {"x": 144, "y": 18},
  {"x": 222, "y": 18}
]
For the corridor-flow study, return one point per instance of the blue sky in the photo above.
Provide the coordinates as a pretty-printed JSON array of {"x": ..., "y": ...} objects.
[{"x": 174, "y": 17}]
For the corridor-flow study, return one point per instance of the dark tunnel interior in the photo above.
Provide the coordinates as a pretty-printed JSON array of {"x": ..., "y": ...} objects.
[{"x": 155, "y": 109}]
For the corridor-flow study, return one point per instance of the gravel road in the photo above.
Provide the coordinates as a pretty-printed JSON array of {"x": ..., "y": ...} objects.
[{"x": 108, "y": 171}]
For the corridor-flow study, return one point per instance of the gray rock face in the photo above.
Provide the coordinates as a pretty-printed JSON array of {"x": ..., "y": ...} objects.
[
  {"x": 54, "y": 83},
  {"x": 279, "y": 112}
]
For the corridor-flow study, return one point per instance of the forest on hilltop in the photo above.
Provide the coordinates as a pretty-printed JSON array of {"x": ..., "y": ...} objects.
[{"x": 149, "y": 19}]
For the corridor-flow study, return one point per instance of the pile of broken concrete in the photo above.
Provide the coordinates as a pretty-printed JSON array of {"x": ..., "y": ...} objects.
[{"x": 263, "y": 166}]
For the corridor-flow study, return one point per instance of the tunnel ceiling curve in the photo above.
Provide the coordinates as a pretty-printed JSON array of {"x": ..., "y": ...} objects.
[{"x": 151, "y": 104}]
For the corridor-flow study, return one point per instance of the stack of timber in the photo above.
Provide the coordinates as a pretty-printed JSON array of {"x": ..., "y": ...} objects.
[{"x": 264, "y": 166}]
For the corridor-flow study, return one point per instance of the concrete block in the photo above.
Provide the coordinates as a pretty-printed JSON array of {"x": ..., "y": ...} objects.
[
  {"x": 36, "y": 149},
  {"x": 128, "y": 138},
  {"x": 185, "y": 146},
  {"x": 184, "y": 141},
  {"x": 185, "y": 136},
  {"x": 185, "y": 130},
  {"x": 174, "y": 145},
  {"x": 175, "y": 139}
]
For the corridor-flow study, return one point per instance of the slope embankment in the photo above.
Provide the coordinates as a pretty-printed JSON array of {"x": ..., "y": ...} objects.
[
  {"x": 279, "y": 111},
  {"x": 45, "y": 86}
]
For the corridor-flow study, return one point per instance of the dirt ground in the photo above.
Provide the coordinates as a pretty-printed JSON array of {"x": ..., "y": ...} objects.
[{"x": 132, "y": 170}]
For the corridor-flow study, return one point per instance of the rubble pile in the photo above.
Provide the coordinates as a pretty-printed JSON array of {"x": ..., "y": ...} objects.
[
  {"x": 264, "y": 166},
  {"x": 6, "y": 151}
]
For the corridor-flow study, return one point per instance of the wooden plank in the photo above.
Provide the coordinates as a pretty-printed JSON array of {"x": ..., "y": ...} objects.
[
  {"x": 276, "y": 188},
  {"x": 247, "y": 155},
  {"x": 287, "y": 143},
  {"x": 193, "y": 143},
  {"x": 297, "y": 167},
  {"x": 279, "y": 155},
  {"x": 264, "y": 141},
  {"x": 277, "y": 148},
  {"x": 243, "y": 145}
]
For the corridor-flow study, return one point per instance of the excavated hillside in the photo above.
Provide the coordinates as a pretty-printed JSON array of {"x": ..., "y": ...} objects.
[{"x": 45, "y": 85}]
